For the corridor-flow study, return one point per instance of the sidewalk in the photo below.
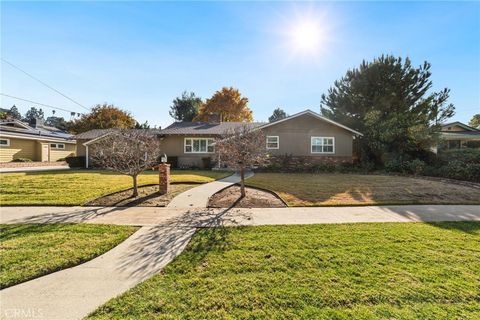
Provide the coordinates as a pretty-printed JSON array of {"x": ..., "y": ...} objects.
[
  {"x": 201, "y": 217},
  {"x": 33, "y": 169}
]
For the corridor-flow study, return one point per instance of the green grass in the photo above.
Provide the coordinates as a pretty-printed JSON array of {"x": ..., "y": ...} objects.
[
  {"x": 77, "y": 187},
  {"x": 28, "y": 251},
  {"x": 344, "y": 271},
  {"x": 298, "y": 189}
]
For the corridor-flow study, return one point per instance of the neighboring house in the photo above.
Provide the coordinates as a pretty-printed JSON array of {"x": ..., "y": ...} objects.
[
  {"x": 37, "y": 143},
  {"x": 457, "y": 135},
  {"x": 307, "y": 136}
]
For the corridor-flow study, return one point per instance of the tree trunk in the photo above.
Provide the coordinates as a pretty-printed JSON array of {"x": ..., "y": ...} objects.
[
  {"x": 242, "y": 182},
  {"x": 135, "y": 189}
]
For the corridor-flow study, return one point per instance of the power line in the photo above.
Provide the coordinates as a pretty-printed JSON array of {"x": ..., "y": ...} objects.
[
  {"x": 48, "y": 86},
  {"x": 37, "y": 103}
]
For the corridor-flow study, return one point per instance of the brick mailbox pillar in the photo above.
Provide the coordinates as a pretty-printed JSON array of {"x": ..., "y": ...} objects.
[{"x": 164, "y": 178}]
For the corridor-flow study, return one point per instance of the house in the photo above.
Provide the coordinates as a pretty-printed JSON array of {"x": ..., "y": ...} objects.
[
  {"x": 38, "y": 142},
  {"x": 457, "y": 135},
  {"x": 306, "y": 136}
]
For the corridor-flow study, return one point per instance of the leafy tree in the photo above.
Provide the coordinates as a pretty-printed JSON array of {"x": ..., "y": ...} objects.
[
  {"x": 14, "y": 113},
  {"x": 127, "y": 151},
  {"x": 185, "y": 107},
  {"x": 33, "y": 114},
  {"x": 475, "y": 121},
  {"x": 388, "y": 101},
  {"x": 144, "y": 125},
  {"x": 227, "y": 103},
  {"x": 241, "y": 149},
  {"x": 277, "y": 114},
  {"x": 3, "y": 115},
  {"x": 58, "y": 122},
  {"x": 104, "y": 116}
]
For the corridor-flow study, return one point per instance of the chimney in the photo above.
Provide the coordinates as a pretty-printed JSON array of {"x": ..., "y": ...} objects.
[{"x": 38, "y": 122}]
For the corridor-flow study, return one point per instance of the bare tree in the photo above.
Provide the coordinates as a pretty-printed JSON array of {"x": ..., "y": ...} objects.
[
  {"x": 127, "y": 151},
  {"x": 242, "y": 148}
]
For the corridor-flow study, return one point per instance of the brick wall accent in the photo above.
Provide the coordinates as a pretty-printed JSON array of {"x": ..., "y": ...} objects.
[
  {"x": 164, "y": 178},
  {"x": 31, "y": 164},
  {"x": 303, "y": 163}
]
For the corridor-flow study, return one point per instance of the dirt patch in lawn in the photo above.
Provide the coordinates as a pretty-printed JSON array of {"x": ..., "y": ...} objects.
[
  {"x": 148, "y": 196},
  {"x": 255, "y": 198}
]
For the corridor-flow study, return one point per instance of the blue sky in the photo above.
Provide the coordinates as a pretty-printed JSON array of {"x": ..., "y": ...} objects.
[{"x": 141, "y": 55}]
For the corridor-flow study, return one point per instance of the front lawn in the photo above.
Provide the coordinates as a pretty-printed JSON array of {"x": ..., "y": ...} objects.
[
  {"x": 28, "y": 251},
  {"x": 77, "y": 187},
  {"x": 298, "y": 189},
  {"x": 344, "y": 271}
]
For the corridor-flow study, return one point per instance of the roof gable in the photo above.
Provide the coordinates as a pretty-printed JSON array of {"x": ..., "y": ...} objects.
[
  {"x": 313, "y": 114},
  {"x": 458, "y": 124}
]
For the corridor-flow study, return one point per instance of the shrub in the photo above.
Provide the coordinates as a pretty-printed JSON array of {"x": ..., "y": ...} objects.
[
  {"x": 75, "y": 162},
  {"x": 461, "y": 155},
  {"x": 207, "y": 162},
  {"x": 415, "y": 167},
  {"x": 22, "y": 160},
  {"x": 324, "y": 167},
  {"x": 394, "y": 165},
  {"x": 173, "y": 162}
]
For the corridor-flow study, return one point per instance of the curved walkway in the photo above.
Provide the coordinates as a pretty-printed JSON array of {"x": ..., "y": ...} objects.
[
  {"x": 198, "y": 197},
  {"x": 75, "y": 292}
]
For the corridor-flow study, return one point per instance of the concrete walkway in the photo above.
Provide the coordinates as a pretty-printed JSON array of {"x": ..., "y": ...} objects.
[
  {"x": 198, "y": 217},
  {"x": 74, "y": 293},
  {"x": 33, "y": 169},
  {"x": 198, "y": 197}
]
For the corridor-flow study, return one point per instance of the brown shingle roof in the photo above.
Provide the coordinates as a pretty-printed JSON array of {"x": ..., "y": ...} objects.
[
  {"x": 182, "y": 128},
  {"x": 96, "y": 133}
]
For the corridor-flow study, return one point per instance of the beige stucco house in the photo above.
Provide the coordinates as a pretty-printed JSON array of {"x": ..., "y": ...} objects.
[
  {"x": 37, "y": 143},
  {"x": 307, "y": 136},
  {"x": 457, "y": 135}
]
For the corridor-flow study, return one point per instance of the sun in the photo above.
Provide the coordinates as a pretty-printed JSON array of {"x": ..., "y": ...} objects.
[{"x": 306, "y": 36}]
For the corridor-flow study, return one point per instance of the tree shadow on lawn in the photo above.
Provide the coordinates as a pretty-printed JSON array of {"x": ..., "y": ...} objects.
[{"x": 155, "y": 248}]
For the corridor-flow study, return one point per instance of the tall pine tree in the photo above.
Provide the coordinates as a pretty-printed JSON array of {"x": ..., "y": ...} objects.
[{"x": 389, "y": 101}]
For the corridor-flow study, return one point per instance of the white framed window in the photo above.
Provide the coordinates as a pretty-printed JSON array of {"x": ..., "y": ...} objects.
[
  {"x": 4, "y": 142},
  {"x": 273, "y": 142},
  {"x": 322, "y": 145},
  {"x": 199, "y": 145},
  {"x": 57, "y": 145}
]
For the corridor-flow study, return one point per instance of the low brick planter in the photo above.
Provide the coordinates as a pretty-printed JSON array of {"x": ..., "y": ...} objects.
[{"x": 31, "y": 164}]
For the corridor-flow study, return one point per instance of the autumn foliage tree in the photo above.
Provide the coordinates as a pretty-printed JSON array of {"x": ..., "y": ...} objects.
[
  {"x": 227, "y": 103},
  {"x": 127, "y": 151},
  {"x": 103, "y": 116},
  {"x": 242, "y": 148}
]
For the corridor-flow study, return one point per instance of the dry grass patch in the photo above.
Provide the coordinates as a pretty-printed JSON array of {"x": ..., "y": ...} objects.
[{"x": 298, "y": 189}]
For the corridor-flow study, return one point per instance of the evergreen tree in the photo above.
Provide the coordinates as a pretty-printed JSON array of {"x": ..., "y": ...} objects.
[
  {"x": 388, "y": 100},
  {"x": 33, "y": 114},
  {"x": 277, "y": 114},
  {"x": 185, "y": 107},
  {"x": 14, "y": 113}
]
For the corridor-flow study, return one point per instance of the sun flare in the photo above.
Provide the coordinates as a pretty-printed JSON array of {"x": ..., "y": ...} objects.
[{"x": 306, "y": 36}]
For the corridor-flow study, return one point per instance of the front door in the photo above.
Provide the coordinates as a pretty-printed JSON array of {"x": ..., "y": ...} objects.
[{"x": 45, "y": 152}]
